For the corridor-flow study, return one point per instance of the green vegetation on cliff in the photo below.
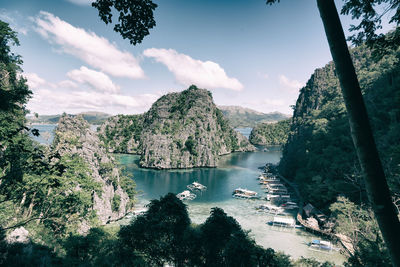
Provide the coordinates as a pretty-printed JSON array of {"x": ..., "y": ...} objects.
[
  {"x": 270, "y": 133},
  {"x": 121, "y": 133},
  {"x": 320, "y": 156},
  {"x": 49, "y": 193},
  {"x": 181, "y": 130},
  {"x": 185, "y": 130}
]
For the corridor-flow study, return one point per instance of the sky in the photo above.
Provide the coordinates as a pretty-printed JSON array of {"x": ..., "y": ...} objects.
[{"x": 245, "y": 52}]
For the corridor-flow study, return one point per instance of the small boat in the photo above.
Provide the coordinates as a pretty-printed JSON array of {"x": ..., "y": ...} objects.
[
  {"x": 290, "y": 205},
  {"x": 186, "y": 195},
  {"x": 276, "y": 191},
  {"x": 277, "y": 196},
  {"x": 195, "y": 186},
  {"x": 283, "y": 222},
  {"x": 261, "y": 177},
  {"x": 270, "y": 209},
  {"x": 269, "y": 180},
  {"x": 321, "y": 245},
  {"x": 268, "y": 185},
  {"x": 137, "y": 212},
  {"x": 244, "y": 193}
]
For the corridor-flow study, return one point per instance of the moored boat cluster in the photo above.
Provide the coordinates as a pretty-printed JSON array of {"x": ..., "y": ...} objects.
[{"x": 190, "y": 194}]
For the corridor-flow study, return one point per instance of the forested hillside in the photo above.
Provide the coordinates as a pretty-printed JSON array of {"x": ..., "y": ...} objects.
[
  {"x": 185, "y": 130},
  {"x": 181, "y": 130},
  {"x": 320, "y": 156},
  {"x": 121, "y": 133},
  {"x": 49, "y": 193},
  {"x": 270, "y": 133}
]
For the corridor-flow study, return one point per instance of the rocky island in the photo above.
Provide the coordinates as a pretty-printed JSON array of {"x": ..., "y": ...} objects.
[
  {"x": 113, "y": 193},
  {"x": 181, "y": 130}
]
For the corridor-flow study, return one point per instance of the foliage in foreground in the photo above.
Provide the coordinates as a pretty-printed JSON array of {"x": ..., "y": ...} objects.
[{"x": 163, "y": 235}]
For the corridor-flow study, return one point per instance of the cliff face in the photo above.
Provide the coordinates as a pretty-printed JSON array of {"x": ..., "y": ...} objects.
[
  {"x": 114, "y": 198},
  {"x": 319, "y": 154},
  {"x": 185, "y": 130},
  {"x": 121, "y": 133}
]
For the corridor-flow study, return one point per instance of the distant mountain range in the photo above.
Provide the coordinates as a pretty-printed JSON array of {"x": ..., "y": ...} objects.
[
  {"x": 236, "y": 115},
  {"x": 93, "y": 117},
  {"x": 245, "y": 117}
]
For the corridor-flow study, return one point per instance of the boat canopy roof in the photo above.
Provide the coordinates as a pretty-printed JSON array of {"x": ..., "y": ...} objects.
[{"x": 283, "y": 220}]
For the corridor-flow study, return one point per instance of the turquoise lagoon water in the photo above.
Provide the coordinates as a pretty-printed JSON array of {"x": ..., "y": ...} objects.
[{"x": 235, "y": 170}]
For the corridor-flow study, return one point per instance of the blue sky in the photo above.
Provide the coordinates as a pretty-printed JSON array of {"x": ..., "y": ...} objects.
[{"x": 244, "y": 52}]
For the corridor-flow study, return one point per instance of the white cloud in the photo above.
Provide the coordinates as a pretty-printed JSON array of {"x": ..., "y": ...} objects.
[
  {"x": 95, "y": 79},
  {"x": 294, "y": 84},
  {"x": 33, "y": 80},
  {"x": 81, "y": 2},
  {"x": 67, "y": 84},
  {"x": 47, "y": 101},
  {"x": 96, "y": 51},
  {"x": 55, "y": 98},
  {"x": 187, "y": 71}
]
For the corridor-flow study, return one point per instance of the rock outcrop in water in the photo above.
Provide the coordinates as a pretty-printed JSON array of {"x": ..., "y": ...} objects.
[
  {"x": 114, "y": 198},
  {"x": 181, "y": 130},
  {"x": 186, "y": 130}
]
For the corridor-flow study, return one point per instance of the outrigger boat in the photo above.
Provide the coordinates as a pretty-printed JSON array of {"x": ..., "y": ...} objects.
[
  {"x": 244, "y": 193},
  {"x": 270, "y": 209},
  {"x": 269, "y": 180},
  {"x": 276, "y": 191},
  {"x": 137, "y": 212},
  {"x": 195, "y": 186},
  {"x": 283, "y": 222},
  {"x": 321, "y": 245},
  {"x": 277, "y": 196},
  {"x": 186, "y": 195},
  {"x": 290, "y": 205}
]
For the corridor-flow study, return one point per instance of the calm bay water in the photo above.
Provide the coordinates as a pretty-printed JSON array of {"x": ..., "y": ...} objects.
[{"x": 235, "y": 170}]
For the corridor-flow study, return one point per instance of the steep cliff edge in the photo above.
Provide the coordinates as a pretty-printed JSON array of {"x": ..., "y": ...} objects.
[
  {"x": 114, "y": 198},
  {"x": 181, "y": 130},
  {"x": 186, "y": 130},
  {"x": 319, "y": 154}
]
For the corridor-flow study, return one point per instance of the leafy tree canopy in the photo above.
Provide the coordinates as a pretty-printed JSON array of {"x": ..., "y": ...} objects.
[{"x": 135, "y": 17}]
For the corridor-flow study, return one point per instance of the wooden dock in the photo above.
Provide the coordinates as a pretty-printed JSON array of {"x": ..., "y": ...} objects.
[{"x": 342, "y": 239}]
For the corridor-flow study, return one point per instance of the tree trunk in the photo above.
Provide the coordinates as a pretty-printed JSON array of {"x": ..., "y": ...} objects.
[{"x": 375, "y": 180}]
